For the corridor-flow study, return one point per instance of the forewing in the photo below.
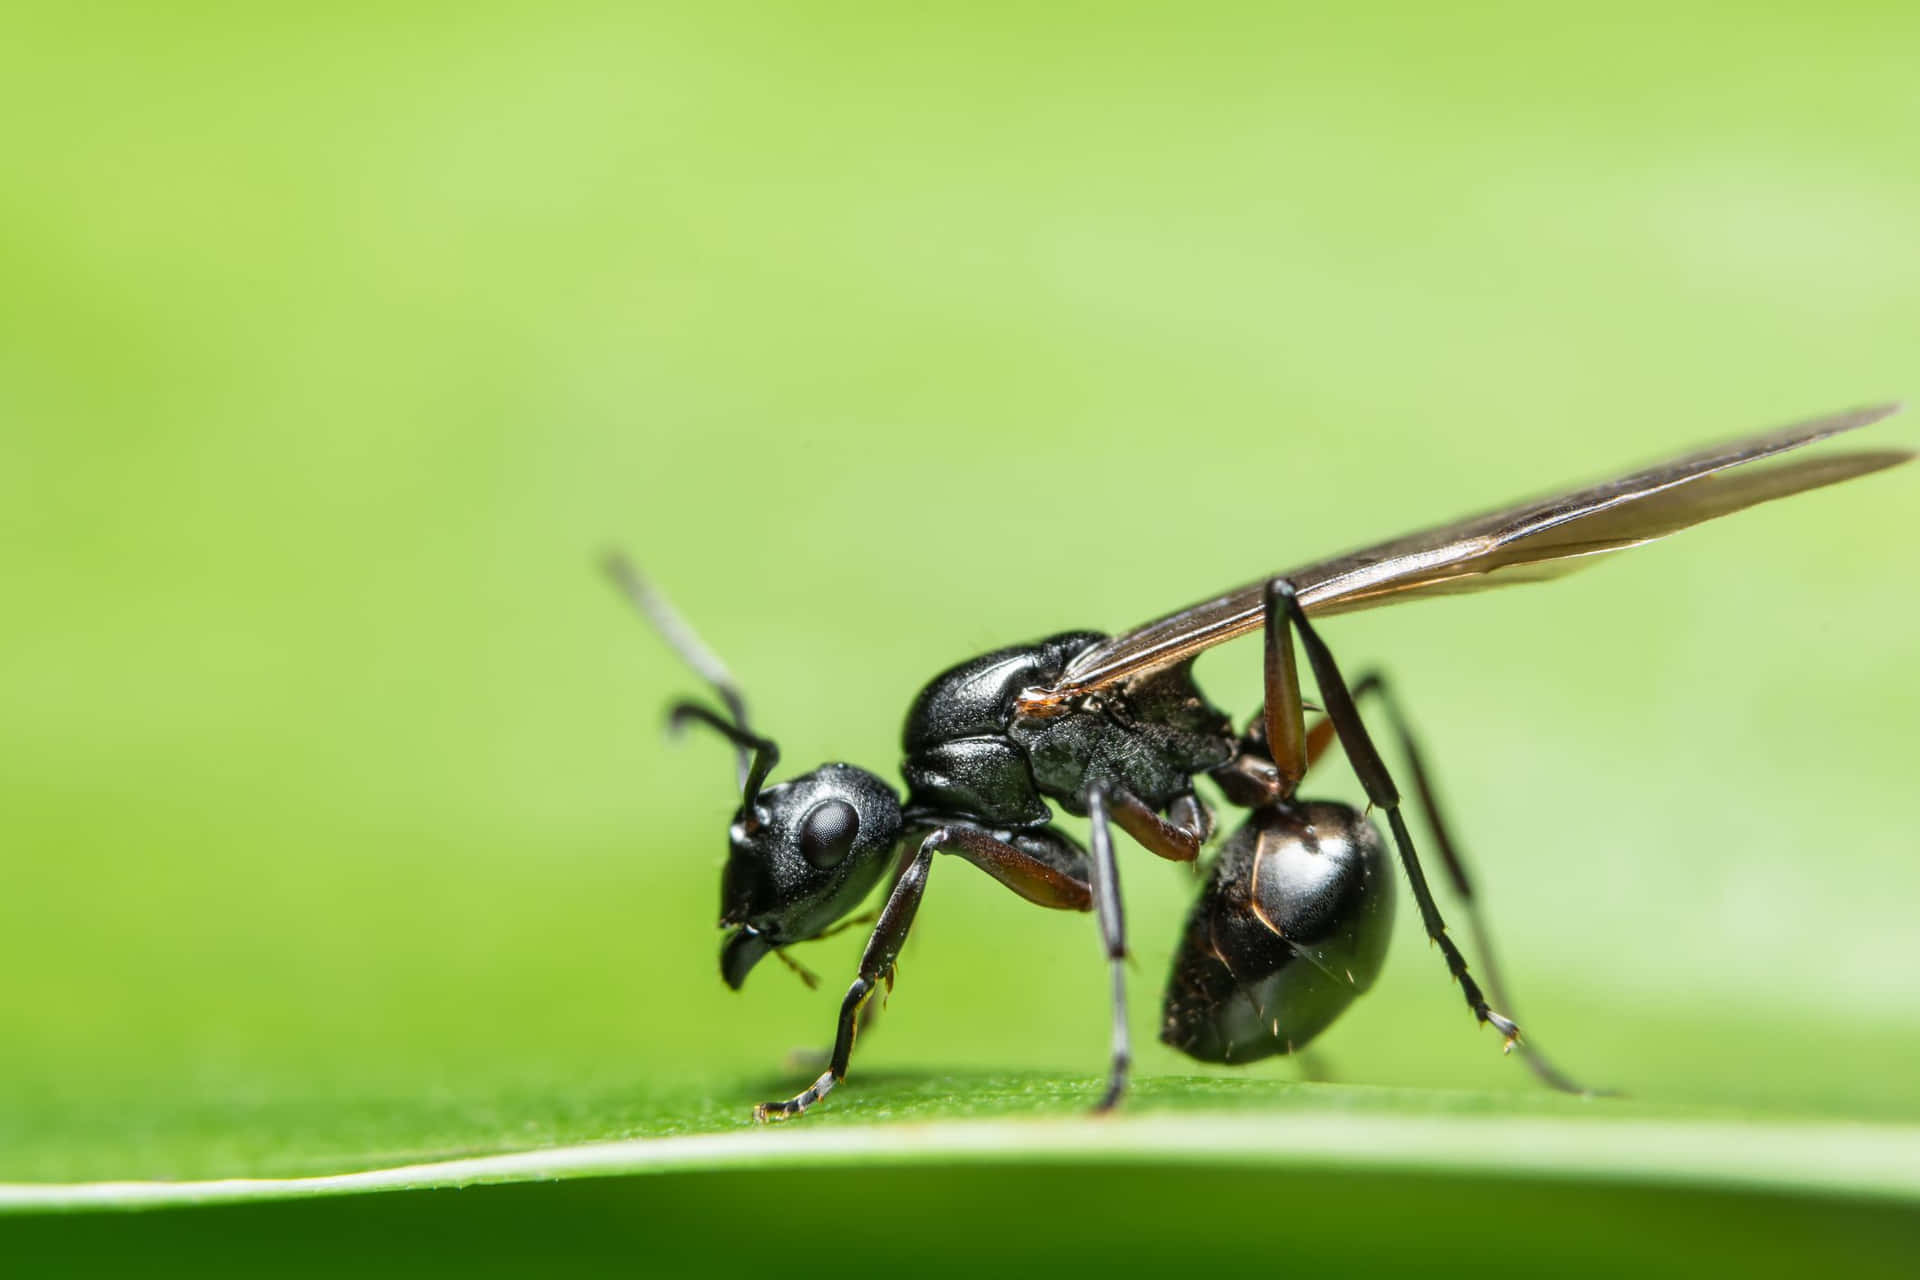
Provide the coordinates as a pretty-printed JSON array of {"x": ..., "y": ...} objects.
[{"x": 1529, "y": 542}]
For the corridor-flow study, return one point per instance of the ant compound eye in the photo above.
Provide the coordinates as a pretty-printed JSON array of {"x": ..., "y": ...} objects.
[{"x": 827, "y": 833}]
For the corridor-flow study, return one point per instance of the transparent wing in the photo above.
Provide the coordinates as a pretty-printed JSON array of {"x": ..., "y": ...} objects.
[{"x": 1530, "y": 542}]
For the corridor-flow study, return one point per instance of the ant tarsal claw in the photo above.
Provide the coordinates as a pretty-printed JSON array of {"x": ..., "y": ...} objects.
[
  {"x": 1507, "y": 1028},
  {"x": 775, "y": 1112}
]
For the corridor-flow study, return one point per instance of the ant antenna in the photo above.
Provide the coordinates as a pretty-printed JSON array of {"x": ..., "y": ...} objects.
[
  {"x": 765, "y": 754},
  {"x": 684, "y": 641}
]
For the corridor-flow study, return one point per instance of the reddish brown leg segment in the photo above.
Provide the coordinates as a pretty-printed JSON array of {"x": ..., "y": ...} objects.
[{"x": 1174, "y": 841}]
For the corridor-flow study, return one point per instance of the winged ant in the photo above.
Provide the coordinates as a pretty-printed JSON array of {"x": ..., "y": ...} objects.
[{"x": 1293, "y": 920}]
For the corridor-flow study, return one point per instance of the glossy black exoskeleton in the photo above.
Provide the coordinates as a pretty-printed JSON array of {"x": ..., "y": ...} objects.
[
  {"x": 1293, "y": 922},
  {"x": 1293, "y": 925},
  {"x": 805, "y": 854},
  {"x": 969, "y": 751}
]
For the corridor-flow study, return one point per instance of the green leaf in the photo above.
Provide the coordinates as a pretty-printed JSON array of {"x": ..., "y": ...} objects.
[
  {"x": 337, "y": 833},
  {"x": 1212, "y": 1123}
]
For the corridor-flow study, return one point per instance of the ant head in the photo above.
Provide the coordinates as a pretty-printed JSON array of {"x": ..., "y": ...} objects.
[{"x": 802, "y": 855}]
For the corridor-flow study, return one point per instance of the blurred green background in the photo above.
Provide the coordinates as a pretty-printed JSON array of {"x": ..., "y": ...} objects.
[{"x": 338, "y": 822}]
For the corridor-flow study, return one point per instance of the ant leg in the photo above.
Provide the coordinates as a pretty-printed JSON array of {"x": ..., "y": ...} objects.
[
  {"x": 1286, "y": 716},
  {"x": 876, "y": 962},
  {"x": 1319, "y": 738},
  {"x": 1113, "y": 937},
  {"x": 1252, "y": 780},
  {"x": 1177, "y": 837},
  {"x": 1019, "y": 870},
  {"x": 1374, "y": 684},
  {"x": 1378, "y": 783},
  {"x": 1188, "y": 813}
]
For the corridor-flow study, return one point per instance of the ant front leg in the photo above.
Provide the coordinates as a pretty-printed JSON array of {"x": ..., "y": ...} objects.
[
  {"x": 1284, "y": 611},
  {"x": 876, "y": 964},
  {"x": 1032, "y": 877}
]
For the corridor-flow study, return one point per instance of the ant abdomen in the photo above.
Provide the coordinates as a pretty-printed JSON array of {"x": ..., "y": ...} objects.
[{"x": 1292, "y": 925}]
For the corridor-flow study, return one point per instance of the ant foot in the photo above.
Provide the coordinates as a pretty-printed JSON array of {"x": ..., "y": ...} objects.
[{"x": 771, "y": 1112}]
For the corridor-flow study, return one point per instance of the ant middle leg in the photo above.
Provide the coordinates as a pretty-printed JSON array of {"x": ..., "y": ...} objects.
[
  {"x": 1113, "y": 938},
  {"x": 1176, "y": 837}
]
